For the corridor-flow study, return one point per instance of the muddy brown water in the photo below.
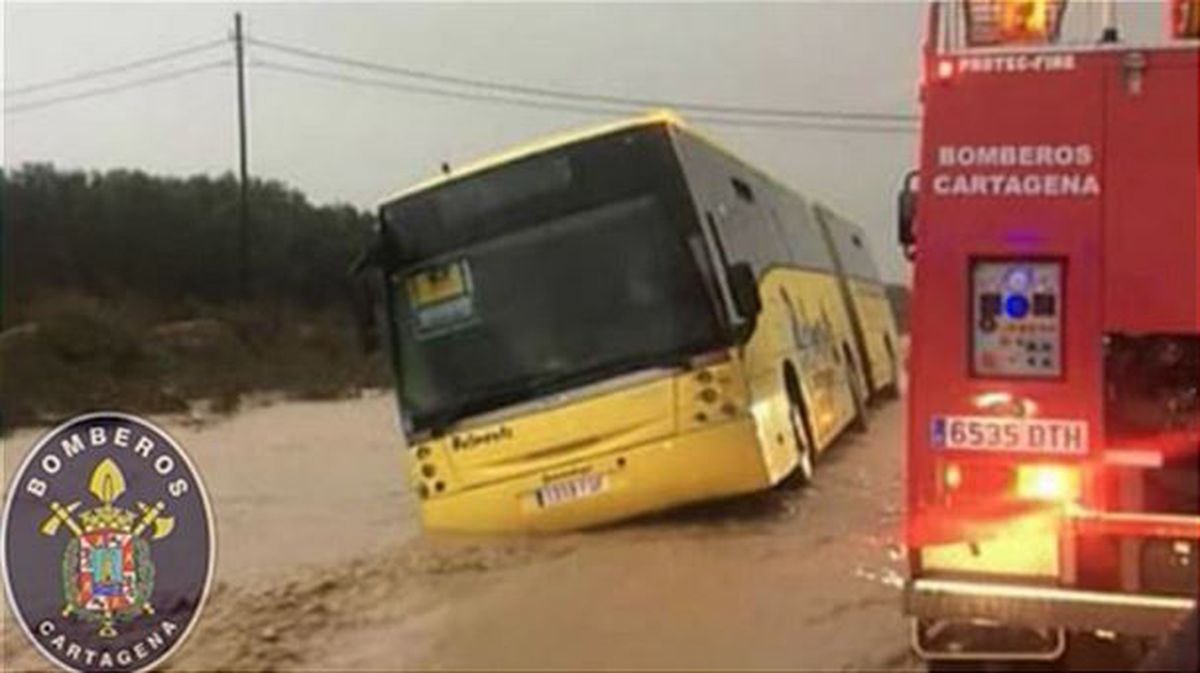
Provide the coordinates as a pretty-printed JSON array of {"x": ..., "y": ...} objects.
[{"x": 322, "y": 564}]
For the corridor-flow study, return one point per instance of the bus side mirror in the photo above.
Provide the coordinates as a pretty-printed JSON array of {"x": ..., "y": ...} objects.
[
  {"x": 364, "y": 314},
  {"x": 906, "y": 213},
  {"x": 906, "y": 207},
  {"x": 743, "y": 286},
  {"x": 363, "y": 299}
]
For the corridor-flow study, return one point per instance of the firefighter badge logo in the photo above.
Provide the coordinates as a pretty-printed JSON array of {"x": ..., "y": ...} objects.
[{"x": 108, "y": 545}]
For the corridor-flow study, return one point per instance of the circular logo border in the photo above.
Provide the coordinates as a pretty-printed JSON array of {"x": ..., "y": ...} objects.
[{"x": 204, "y": 499}]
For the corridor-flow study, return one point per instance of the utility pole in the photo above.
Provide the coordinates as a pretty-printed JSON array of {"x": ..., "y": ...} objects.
[{"x": 244, "y": 187}]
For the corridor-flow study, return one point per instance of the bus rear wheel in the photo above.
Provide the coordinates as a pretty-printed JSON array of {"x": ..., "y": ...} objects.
[
  {"x": 857, "y": 396},
  {"x": 892, "y": 390},
  {"x": 858, "y": 424}
]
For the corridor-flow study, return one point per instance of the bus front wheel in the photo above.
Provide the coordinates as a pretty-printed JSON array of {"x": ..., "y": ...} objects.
[
  {"x": 801, "y": 433},
  {"x": 805, "y": 464}
]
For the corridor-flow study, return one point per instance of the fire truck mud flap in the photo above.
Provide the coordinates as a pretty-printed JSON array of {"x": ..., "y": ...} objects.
[{"x": 968, "y": 618}]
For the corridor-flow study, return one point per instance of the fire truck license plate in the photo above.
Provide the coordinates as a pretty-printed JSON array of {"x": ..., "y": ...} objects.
[
  {"x": 558, "y": 492},
  {"x": 989, "y": 433}
]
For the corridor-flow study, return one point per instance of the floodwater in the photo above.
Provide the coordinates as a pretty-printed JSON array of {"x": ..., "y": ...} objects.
[{"x": 322, "y": 564}]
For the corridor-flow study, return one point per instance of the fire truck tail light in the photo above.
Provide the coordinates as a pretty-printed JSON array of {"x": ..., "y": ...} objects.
[
  {"x": 1051, "y": 483},
  {"x": 952, "y": 477},
  {"x": 945, "y": 69},
  {"x": 1185, "y": 18}
]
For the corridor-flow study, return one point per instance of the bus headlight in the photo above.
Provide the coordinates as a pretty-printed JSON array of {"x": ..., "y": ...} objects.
[
  {"x": 1050, "y": 483},
  {"x": 712, "y": 392}
]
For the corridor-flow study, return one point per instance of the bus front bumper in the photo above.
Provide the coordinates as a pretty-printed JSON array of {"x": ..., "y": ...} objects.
[
  {"x": 1044, "y": 607},
  {"x": 721, "y": 460}
]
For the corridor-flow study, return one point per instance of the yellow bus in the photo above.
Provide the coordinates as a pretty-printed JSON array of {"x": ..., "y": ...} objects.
[{"x": 612, "y": 322}]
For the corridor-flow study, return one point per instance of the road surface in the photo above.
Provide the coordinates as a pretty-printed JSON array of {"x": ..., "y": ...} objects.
[{"x": 321, "y": 564}]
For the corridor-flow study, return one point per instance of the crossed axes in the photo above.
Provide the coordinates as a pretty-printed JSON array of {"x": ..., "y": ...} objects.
[{"x": 161, "y": 526}]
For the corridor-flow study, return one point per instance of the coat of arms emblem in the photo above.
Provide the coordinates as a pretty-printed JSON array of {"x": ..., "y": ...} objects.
[{"x": 107, "y": 570}]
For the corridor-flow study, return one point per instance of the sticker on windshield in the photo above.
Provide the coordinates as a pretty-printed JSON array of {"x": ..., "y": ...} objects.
[{"x": 441, "y": 297}]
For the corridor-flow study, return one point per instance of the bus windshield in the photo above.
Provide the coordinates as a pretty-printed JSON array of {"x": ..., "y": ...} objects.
[{"x": 559, "y": 270}]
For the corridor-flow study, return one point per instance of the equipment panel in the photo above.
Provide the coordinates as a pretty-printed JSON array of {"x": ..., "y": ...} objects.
[{"x": 1016, "y": 318}]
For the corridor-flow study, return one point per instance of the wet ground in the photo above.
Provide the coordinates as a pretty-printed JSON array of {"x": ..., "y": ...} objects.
[{"x": 322, "y": 565}]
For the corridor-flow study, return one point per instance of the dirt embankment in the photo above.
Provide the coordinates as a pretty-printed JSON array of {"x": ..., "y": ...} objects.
[
  {"x": 322, "y": 565},
  {"x": 71, "y": 353}
]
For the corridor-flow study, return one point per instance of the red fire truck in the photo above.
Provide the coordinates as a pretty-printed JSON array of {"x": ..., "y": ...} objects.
[{"x": 1054, "y": 413}]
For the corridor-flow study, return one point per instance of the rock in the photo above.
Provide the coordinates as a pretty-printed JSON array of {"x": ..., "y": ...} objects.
[{"x": 15, "y": 336}]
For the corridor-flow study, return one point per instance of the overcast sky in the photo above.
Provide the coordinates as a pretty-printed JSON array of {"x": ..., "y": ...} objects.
[{"x": 344, "y": 142}]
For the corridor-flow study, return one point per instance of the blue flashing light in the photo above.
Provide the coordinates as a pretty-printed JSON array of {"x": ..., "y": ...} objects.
[{"x": 1016, "y": 306}]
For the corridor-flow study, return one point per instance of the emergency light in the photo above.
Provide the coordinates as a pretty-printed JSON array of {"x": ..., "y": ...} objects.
[
  {"x": 993, "y": 22},
  {"x": 1185, "y": 18}
]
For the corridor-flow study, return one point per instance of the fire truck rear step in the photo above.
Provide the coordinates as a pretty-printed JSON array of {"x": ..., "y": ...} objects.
[{"x": 1045, "y": 607}]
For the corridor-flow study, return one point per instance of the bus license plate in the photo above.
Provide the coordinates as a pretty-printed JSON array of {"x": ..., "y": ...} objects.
[
  {"x": 558, "y": 492},
  {"x": 990, "y": 433}
]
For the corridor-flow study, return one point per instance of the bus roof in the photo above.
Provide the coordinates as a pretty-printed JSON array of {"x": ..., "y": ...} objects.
[
  {"x": 538, "y": 146},
  {"x": 561, "y": 139}
]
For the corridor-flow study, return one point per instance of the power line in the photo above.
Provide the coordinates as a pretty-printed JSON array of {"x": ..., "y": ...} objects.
[
  {"x": 133, "y": 84},
  {"x": 110, "y": 70},
  {"x": 562, "y": 94},
  {"x": 581, "y": 109},
  {"x": 563, "y": 107},
  {"x": 425, "y": 90},
  {"x": 803, "y": 125},
  {"x": 718, "y": 114}
]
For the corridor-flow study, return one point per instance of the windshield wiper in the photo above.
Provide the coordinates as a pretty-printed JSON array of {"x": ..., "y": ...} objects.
[
  {"x": 487, "y": 398},
  {"x": 623, "y": 366},
  {"x": 547, "y": 383}
]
